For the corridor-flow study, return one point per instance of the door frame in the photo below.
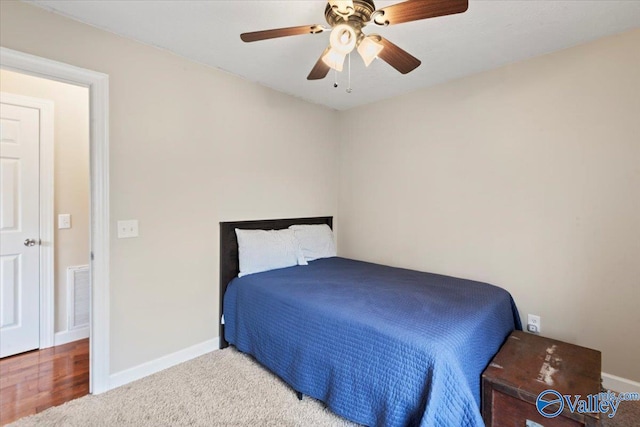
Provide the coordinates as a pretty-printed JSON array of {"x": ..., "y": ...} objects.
[
  {"x": 98, "y": 84},
  {"x": 46, "y": 231}
]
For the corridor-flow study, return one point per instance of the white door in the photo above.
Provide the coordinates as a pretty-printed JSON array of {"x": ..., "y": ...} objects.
[{"x": 19, "y": 229}]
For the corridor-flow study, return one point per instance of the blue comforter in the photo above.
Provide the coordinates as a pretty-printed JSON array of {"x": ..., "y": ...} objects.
[{"x": 381, "y": 346}]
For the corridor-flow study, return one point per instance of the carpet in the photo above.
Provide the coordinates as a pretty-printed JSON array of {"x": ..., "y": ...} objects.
[{"x": 222, "y": 388}]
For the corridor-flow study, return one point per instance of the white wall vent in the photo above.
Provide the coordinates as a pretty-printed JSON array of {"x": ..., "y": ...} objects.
[{"x": 78, "y": 292}]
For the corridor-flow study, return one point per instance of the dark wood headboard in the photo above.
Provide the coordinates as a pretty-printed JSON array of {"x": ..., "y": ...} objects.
[{"x": 229, "y": 263}]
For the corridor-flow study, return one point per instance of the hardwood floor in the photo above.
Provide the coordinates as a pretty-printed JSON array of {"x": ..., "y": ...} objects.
[{"x": 34, "y": 381}]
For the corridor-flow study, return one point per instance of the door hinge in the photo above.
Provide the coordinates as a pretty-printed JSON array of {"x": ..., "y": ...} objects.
[{"x": 91, "y": 256}]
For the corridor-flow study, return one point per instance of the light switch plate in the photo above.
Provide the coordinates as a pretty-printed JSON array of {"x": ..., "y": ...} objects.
[
  {"x": 64, "y": 221},
  {"x": 127, "y": 229}
]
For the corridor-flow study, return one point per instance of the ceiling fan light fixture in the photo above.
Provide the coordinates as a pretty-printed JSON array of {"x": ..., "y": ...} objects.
[
  {"x": 343, "y": 39},
  {"x": 369, "y": 49},
  {"x": 348, "y": 18},
  {"x": 334, "y": 59}
]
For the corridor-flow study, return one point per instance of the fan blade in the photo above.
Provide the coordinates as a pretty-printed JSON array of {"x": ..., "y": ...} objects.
[
  {"x": 398, "y": 58},
  {"x": 320, "y": 70},
  {"x": 414, "y": 10},
  {"x": 281, "y": 32}
]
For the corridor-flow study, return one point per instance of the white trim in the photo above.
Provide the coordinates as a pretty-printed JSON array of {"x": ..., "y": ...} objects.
[
  {"x": 98, "y": 84},
  {"x": 148, "y": 368},
  {"x": 619, "y": 384},
  {"x": 46, "y": 230},
  {"x": 47, "y": 252},
  {"x": 66, "y": 337}
]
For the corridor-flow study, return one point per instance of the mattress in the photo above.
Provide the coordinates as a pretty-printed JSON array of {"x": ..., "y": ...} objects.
[{"x": 381, "y": 346}]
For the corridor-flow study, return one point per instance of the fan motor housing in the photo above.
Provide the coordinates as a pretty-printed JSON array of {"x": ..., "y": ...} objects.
[{"x": 363, "y": 9}]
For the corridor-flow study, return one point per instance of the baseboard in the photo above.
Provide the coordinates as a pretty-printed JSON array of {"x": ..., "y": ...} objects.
[
  {"x": 66, "y": 337},
  {"x": 137, "y": 372},
  {"x": 619, "y": 384}
]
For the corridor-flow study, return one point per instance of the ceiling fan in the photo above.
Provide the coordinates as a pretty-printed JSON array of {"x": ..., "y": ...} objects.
[{"x": 347, "y": 19}]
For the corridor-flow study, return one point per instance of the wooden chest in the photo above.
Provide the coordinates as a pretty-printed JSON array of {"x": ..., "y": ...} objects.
[{"x": 527, "y": 365}]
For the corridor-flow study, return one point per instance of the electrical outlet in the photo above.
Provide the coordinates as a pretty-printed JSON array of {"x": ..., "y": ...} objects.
[
  {"x": 533, "y": 323},
  {"x": 128, "y": 228}
]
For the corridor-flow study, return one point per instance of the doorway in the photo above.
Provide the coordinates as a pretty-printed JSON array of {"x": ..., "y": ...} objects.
[
  {"x": 98, "y": 85},
  {"x": 45, "y": 151}
]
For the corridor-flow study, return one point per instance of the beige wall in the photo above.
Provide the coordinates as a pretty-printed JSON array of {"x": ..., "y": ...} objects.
[
  {"x": 527, "y": 177},
  {"x": 71, "y": 173},
  {"x": 190, "y": 146}
]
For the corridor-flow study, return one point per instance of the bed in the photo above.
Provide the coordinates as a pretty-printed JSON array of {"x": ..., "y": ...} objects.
[{"x": 380, "y": 346}]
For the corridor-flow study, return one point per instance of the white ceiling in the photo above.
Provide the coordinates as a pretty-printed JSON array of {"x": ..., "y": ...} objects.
[{"x": 490, "y": 34}]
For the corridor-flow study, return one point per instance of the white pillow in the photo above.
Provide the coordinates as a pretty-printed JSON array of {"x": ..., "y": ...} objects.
[
  {"x": 316, "y": 241},
  {"x": 263, "y": 250}
]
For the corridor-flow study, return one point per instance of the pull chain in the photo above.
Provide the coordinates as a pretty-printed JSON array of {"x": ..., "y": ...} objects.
[
  {"x": 349, "y": 81},
  {"x": 335, "y": 78}
]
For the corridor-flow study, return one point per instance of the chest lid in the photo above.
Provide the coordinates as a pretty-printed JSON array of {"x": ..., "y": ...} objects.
[{"x": 530, "y": 364}]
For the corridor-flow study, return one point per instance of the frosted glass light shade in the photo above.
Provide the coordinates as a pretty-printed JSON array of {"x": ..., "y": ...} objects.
[
  {"x": 369, "y": 50},
  {"x": 343, "y": 39},
  {"x": 334, "y": 59}
]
